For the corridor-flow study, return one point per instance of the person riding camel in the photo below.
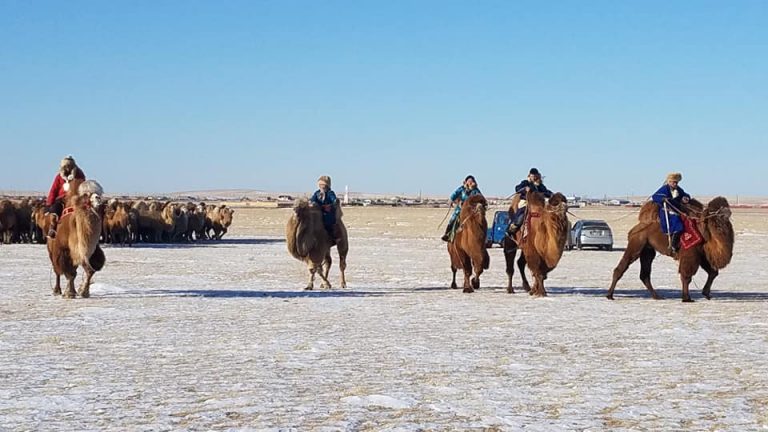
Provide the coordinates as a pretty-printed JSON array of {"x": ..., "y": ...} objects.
[
  {"x": 466, "y": 190},
  {"x": 670, "y": 198},
  {"x": 68, "y": 171},
  {"x": 325, "y": 199},
  {"x": 532, "y": 184}
]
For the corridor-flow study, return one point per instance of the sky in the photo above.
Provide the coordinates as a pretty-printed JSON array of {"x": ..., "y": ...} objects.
[{"x": 603, "y": 97}]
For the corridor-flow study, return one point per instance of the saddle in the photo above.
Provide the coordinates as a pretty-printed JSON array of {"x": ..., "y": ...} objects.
[{"x": 691, "y": 235}]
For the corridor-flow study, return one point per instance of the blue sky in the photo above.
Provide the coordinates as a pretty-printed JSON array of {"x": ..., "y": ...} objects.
[{"x": 604, "y": 97}]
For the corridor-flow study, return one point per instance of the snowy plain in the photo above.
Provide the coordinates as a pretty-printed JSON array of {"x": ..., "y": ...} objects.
[{"x": 221, "y": 336}]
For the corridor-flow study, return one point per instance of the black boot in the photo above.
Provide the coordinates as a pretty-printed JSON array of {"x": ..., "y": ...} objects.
[
  {"x": 676, "y": 242},
  {"x": 447, "y": 236}
]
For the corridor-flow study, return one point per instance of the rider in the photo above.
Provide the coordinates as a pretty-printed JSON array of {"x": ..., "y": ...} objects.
[
  {"x": 466, "y": 190},
  {"x": 674, "y": 196},
  {"x": 325, "y": 198},
  {"x": 68, "y": 171},
  {"x": 532, "y": 184}
]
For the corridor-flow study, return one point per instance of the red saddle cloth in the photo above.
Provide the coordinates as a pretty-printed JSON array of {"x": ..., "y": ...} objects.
[{"x": 691, "y": 235}]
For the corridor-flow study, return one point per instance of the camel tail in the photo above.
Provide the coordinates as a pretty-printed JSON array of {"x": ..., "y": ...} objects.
[{"x": 87, "y": 230}]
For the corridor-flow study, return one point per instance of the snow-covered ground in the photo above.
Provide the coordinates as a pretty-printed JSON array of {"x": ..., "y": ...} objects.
[{"x": 220, "y": 336}]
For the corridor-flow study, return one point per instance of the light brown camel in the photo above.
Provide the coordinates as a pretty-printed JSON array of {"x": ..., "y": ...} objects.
[
  {"x": 467, "y": 250},
  {"x": 714, "y": 254},
  {"x": 541, "y": 240},
  {"x": 308, "y": 241},
  {"x": 77, "y": 238}
]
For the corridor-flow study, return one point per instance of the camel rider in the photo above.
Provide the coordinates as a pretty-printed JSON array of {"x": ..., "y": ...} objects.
[
  {"x": 325, "y": 199},
  {"x": 57, "y": 196},
  {"x": 674, "y": 196},
  {"x": 458, "y": 197},
  {"x": 532, "y": 184}
]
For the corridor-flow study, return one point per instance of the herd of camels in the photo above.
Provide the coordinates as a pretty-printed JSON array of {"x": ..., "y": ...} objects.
[{"x": 541, "y": 242}]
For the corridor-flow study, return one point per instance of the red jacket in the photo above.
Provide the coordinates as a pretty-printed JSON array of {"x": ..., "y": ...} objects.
[{"x": 57, "y": 188}]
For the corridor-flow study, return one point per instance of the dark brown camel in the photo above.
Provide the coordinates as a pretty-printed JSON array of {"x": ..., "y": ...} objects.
[
  {"x": 541, "y": 240},
  {"x": 467, "y": 250},
  {"x": 646, "y": 238}
]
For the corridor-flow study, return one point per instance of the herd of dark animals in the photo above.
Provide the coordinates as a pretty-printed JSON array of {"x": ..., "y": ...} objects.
[
  {"x": 540, "y": 243},
  {"x": 124, "y": 222}
]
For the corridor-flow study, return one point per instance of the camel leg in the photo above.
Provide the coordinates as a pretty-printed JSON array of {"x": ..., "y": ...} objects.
[
  {"x": 57, "y": 288},
  {"x": 326, "y": 270},
  {"x": 631, "y": 254},
  {"x": 711, "y": 275},
  {"x": 646, "y": 261},
  {"x": 453, "y": 282},
  {"x": 521, "y": 266},
  {"x": 509, "y": 257},
  {"x": 311, "y": 284},
  {"x": 70, "y": 292},
  {"x": 85, "y": 286},
  {"x": 689, "y": 264},
  {"x": 477, "y": 270},
  {"x": 342, "y": 267},
  {"x": 467, "y": 267},
  {"x": 538, "y": 286}
]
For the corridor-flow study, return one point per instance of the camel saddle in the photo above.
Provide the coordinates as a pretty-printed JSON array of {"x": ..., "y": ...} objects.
[{"x": 691, "y": 235}]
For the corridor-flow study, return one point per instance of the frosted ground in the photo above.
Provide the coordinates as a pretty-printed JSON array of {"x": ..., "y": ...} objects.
[{"x": 221, "y": 336}]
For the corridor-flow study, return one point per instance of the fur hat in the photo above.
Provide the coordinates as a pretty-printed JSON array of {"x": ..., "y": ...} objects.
[
  {"x": 535, "y": 172},
  {"x": 470, "y": 177},
  {"x": 674, "y": 176},
  {"x": 325, "y": 179},
  {"x": 67, "y": 164}
]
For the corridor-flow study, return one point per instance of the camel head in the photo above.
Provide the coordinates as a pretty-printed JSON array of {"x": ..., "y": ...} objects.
[
  {"x": 92, "y": 192},
  {"x": 477, "y": 204}
]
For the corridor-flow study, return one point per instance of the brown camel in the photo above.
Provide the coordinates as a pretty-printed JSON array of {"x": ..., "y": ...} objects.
[
  {"x": 308, "y": 241},
  {"x": 77, "y": 238},
  {"x": 541, "y": 240},
  {"x": 467, "y": 250},
  {"x": 714, "y": 254}
]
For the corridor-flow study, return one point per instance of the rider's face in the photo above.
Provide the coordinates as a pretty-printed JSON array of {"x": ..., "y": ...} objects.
[
  {"x": 672, "y": 184},
  {"x": 470, "y": 184},
  {"x": 322, "y": 186}
]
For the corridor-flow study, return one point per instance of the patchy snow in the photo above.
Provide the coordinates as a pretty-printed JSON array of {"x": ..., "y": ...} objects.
[{"x": 220, "y": 336}]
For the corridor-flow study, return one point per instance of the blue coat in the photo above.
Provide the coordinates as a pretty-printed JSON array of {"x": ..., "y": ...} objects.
[
  {"x": 461, "y": 194},
  {"x": 665, "y": 193},
  {"x": 327, "y": 205},
  {"x": 520, "y": 189}
]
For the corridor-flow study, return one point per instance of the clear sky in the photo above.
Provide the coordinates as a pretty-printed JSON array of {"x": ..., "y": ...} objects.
[{"x": 604, "y": 97}]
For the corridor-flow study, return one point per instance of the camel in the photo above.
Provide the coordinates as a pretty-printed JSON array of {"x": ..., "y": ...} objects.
[
  {"x": 712, "y": 255},
  {"x": 308, "y": 241},
  {"x": 467, "y": 250},
  {"x": 7, "y": 221},
  {"x": 77, "y": 238},
  {"x": 541, "y": 240},
  {"x": 116, "y": 222}
]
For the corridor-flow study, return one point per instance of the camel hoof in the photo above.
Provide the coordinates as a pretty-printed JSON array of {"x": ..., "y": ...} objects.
[
  {"x": 688, "y": 300},
  {"x": 309, "y": 288},
  {"x": 657, "y": 297},
  {"x": 475, "y": 283},
  {"x": 84, "y": 294},
  {"x": 68, "y": 294},
  {"x": 343, "y": 284},
  {"x": 57, "y": 292},
  {"x": 510, "y": 290},
  {"x": 454, "y": 286},
  {"x": 468, "y": 290},
  {"x": 609, "y": 297},
  {"x": 706, "y": 295}
]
